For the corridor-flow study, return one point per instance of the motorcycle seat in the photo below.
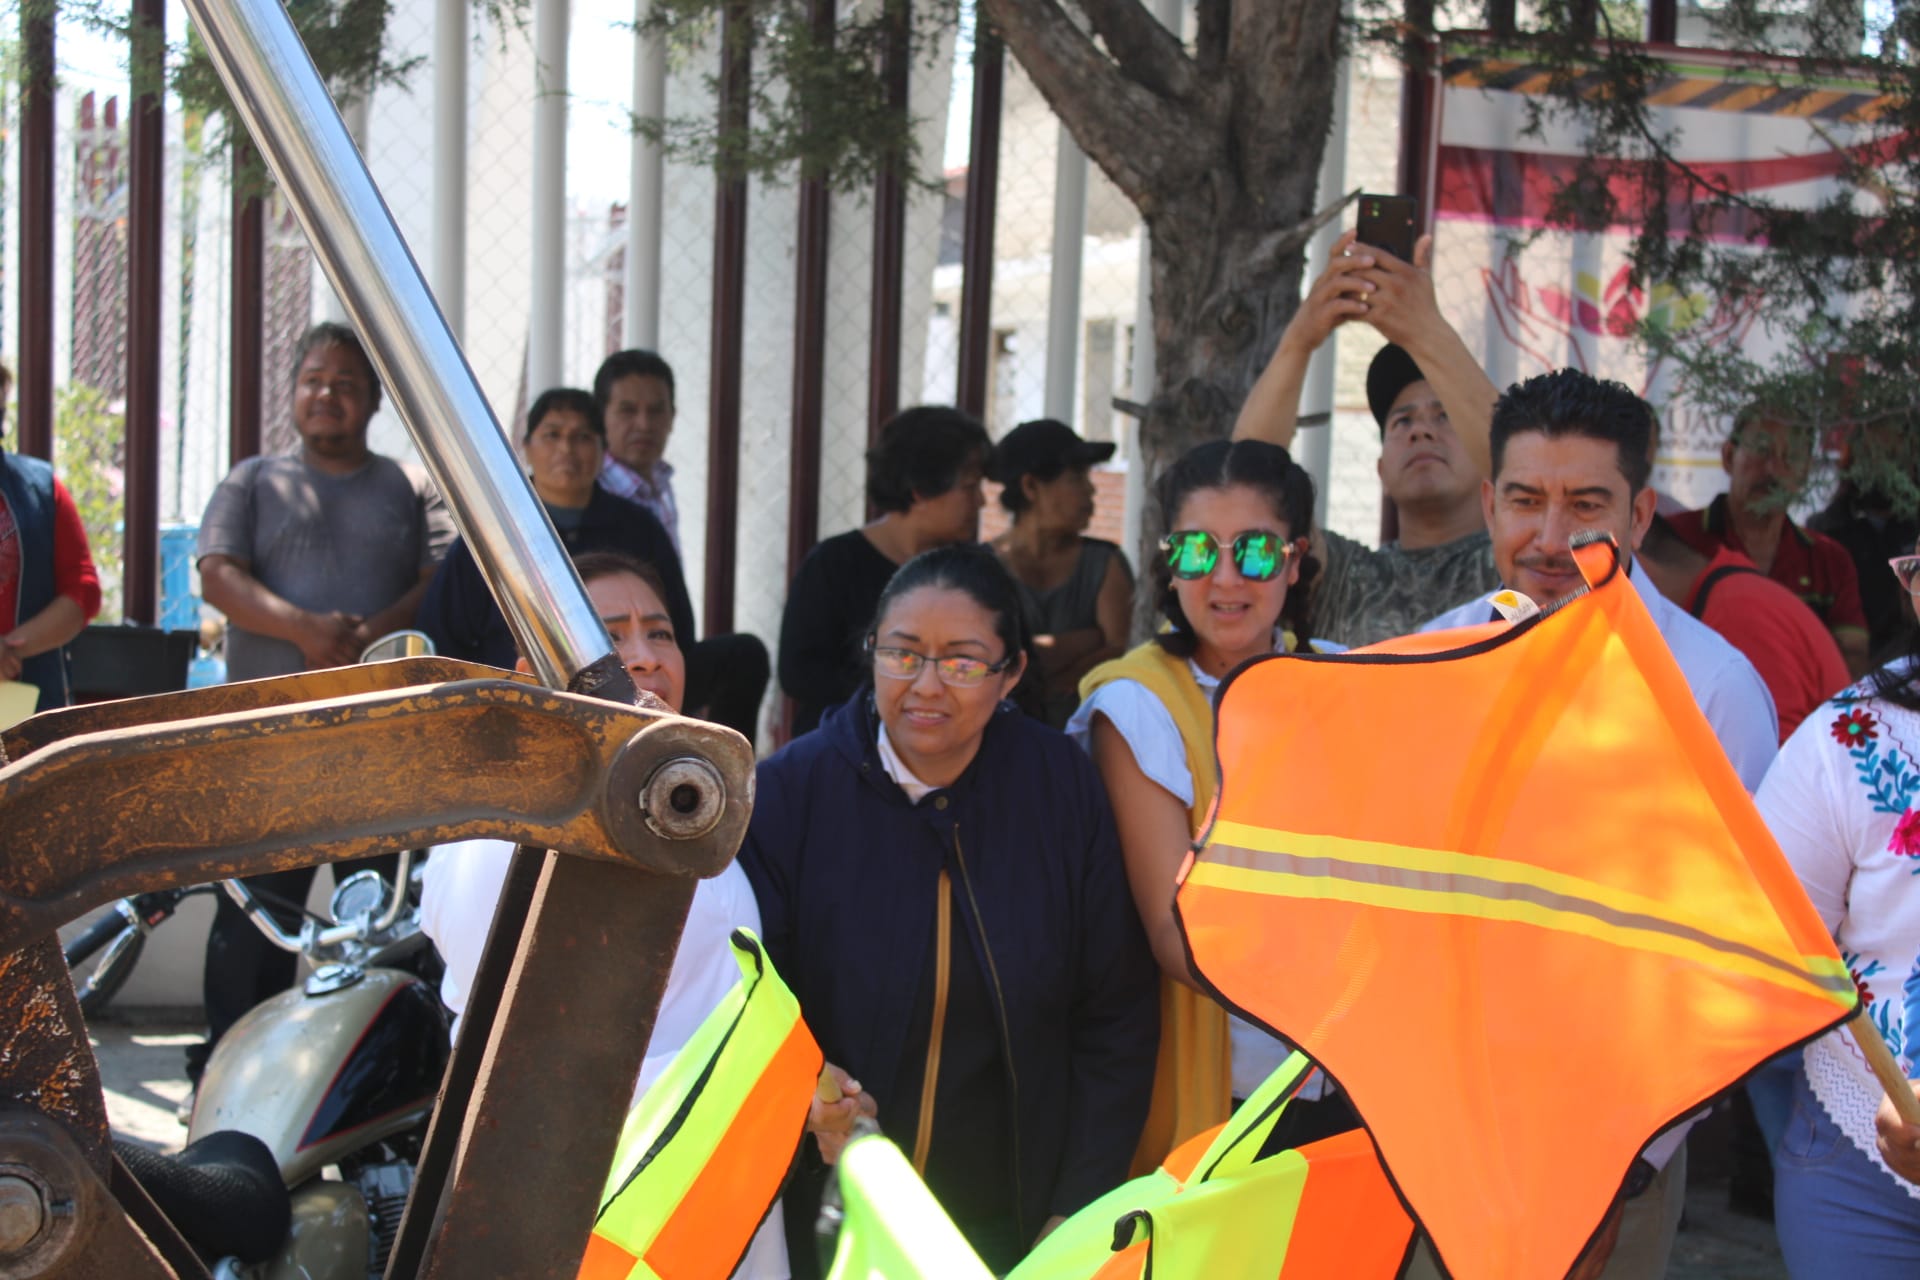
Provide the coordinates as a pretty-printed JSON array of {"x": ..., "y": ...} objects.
[{"x": 223, "y": 1192}]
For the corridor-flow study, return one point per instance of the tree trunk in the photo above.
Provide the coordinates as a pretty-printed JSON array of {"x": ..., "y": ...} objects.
[
  {"x": 1219, "y": 148},
  {"x": 1220, "y": 305}
]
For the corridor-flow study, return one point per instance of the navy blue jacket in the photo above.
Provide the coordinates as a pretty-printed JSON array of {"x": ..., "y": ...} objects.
[
  {"x": 846, "y": 872},
  {"x": 459, "y": 613},
  {"x": 27, "y": 485}
]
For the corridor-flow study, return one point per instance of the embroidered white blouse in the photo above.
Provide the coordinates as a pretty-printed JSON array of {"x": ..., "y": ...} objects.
[{"x": 1841, "y": 798}]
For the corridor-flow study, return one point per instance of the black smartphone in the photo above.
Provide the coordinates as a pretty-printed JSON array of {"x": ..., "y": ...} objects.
[{"x": 1390, "y": 223}]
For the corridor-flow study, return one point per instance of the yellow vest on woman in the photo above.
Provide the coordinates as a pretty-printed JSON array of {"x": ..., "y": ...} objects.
[{"x": 1193, "y": 1078}]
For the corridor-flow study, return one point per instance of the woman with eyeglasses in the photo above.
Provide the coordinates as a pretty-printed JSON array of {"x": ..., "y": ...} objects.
[
  {"x": 1843, "y": 800},
  {"x": 941, "y": 886},
  {"x": 1233, "y": 563}
]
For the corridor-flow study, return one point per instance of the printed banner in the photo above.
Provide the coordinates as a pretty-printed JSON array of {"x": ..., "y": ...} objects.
[{"x": 1528, "y": 299}]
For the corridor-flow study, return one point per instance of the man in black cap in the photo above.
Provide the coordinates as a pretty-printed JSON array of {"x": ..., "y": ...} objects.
[{"x": 1433, "y": 403}]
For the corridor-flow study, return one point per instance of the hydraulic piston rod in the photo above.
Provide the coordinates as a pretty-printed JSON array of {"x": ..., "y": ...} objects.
[{"x": 288, "y": 110}]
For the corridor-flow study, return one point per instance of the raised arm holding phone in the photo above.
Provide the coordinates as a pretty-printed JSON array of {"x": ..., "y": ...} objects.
[{"x": 1433, "y": 403}]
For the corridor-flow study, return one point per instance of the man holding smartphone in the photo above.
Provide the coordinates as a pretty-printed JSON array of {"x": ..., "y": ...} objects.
[{"x": 1433, "y": 403}]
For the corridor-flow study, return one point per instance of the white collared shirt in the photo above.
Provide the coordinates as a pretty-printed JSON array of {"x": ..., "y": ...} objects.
[
  {"x": 1729, "y": 691},
  {"x": 462, "y": 888},
  {"x": 654, "y": 492}
]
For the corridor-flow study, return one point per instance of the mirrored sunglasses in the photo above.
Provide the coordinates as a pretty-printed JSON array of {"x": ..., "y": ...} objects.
[{"x": 1258, "y": 554}]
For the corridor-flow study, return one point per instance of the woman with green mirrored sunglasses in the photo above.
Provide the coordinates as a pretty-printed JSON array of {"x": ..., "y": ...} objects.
[{"x": 1227, "y": 573}]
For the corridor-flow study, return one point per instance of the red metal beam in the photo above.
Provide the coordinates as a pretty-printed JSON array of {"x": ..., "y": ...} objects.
[
  {"x": 1663, "y": 22},
  {"x": 35, "y": 374},
  {"x": 976, "y": 252},
  {"x": 729, "y": 323},
  {"x": 809, "y": 342},
  {"x": 889, "y": 238},
  {"x": 145, "y": 165},
  {"x": 248, "y": 311}
]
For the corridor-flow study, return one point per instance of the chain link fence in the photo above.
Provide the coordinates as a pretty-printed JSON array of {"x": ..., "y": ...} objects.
[{"x": 396, "y": 134}]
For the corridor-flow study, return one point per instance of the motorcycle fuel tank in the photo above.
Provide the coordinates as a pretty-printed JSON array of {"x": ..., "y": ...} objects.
[{"x": 319, "y": 1076}]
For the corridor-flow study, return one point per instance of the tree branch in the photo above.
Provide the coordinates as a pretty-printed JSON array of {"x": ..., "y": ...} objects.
[
  {"x": 1268, "y": 251},
  {"x": 1275, "y": 245},
  {"x": 1143, "y": 46},
  {"x": 1144, "y": 142}
]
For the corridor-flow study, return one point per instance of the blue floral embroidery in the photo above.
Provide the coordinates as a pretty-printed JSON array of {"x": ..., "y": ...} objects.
[
  {"x": 1891, "y": 781},
  {"x": 1888, "y": 778},
  {"x": 1909, "y": 1017}
]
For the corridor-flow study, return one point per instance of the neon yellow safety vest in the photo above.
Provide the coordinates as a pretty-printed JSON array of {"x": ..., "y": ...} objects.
[
  {"x": 705, "y": 1151},
  {"x": 893, "y": 1228},
  {"x": 1218, "y": 1210}
]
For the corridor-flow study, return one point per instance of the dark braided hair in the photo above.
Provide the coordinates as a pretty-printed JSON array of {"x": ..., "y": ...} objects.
[{"x": 1223, "y": 464}]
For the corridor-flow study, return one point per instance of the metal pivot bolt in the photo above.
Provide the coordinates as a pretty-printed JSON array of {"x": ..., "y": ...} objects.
[
  {"x": 23, "y": 1212},
  {"x": 684, "y": 798}
]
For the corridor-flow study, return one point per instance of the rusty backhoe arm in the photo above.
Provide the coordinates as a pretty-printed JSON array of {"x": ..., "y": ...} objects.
[{"x": 109, "y": 800}]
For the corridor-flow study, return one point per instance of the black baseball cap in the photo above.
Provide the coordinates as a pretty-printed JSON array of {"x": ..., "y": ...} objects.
[
  {"x": 1046, "y": 447},
  {"x": 1391, "y": 372}
]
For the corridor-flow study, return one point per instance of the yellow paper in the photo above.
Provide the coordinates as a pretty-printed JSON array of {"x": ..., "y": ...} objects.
[{"x": 17, "y": 701}]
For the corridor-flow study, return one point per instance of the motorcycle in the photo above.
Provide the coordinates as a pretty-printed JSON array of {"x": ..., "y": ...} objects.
[{"x": 314, "y": 1105}]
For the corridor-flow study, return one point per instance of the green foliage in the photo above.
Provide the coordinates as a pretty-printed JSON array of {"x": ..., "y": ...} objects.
[
  {"x": 88, "y": 433},
  {"x": 816, "y": 105},
  {"x": 346, "y": 39},
  {"x": 1840, "y": 281}
]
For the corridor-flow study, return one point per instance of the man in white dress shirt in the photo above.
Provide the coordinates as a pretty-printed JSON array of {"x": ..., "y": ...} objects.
[{"x": 1571, "y": 455}]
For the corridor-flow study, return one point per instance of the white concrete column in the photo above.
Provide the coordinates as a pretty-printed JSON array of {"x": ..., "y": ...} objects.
[
  {"x": 645, "y": 186},
  {"x": 449, "y": 267},
  {"x": 1063, "y": 290},
  {"x": 327, "y": 304},
  {"x": 1313, "y": 446},
  {"x": 546, "y": 340}
]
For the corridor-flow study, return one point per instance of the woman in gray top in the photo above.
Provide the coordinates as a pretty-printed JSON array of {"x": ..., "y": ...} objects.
[{"x": 1076, "y": 592}]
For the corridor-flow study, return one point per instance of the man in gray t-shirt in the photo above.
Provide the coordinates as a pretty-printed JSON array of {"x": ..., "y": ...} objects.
[
  {"x": 312, "y": 557},
  {"x": 1434, "y": 405}
]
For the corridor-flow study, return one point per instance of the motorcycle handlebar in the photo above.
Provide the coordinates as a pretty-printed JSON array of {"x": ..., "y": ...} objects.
[
  {"x": 312, "y": 936},
  {"x": 263, "y": 920},
  {"x": 98, "y": 934},
  {"x": 402, "y": 882}
]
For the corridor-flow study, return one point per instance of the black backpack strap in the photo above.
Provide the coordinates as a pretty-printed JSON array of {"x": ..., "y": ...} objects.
[{"x": 1712, "y": 580}]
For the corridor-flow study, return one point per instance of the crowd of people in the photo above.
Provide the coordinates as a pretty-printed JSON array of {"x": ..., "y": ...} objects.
[{"x": 962, "y": 859}]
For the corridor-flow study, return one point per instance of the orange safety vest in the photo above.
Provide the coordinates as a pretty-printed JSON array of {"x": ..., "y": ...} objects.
[
  {"x": 1503, "y": 885},
  {"x": 706, "y": 1150}
]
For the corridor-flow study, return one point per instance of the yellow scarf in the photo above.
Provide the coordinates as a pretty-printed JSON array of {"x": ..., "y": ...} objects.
[{"x": 1193, "y": 1079}]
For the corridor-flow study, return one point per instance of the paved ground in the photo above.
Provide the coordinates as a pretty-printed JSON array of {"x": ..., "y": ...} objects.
[
  {"x": 141, "y": 1064},
  {"x": 1717, "y": 1244}
]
